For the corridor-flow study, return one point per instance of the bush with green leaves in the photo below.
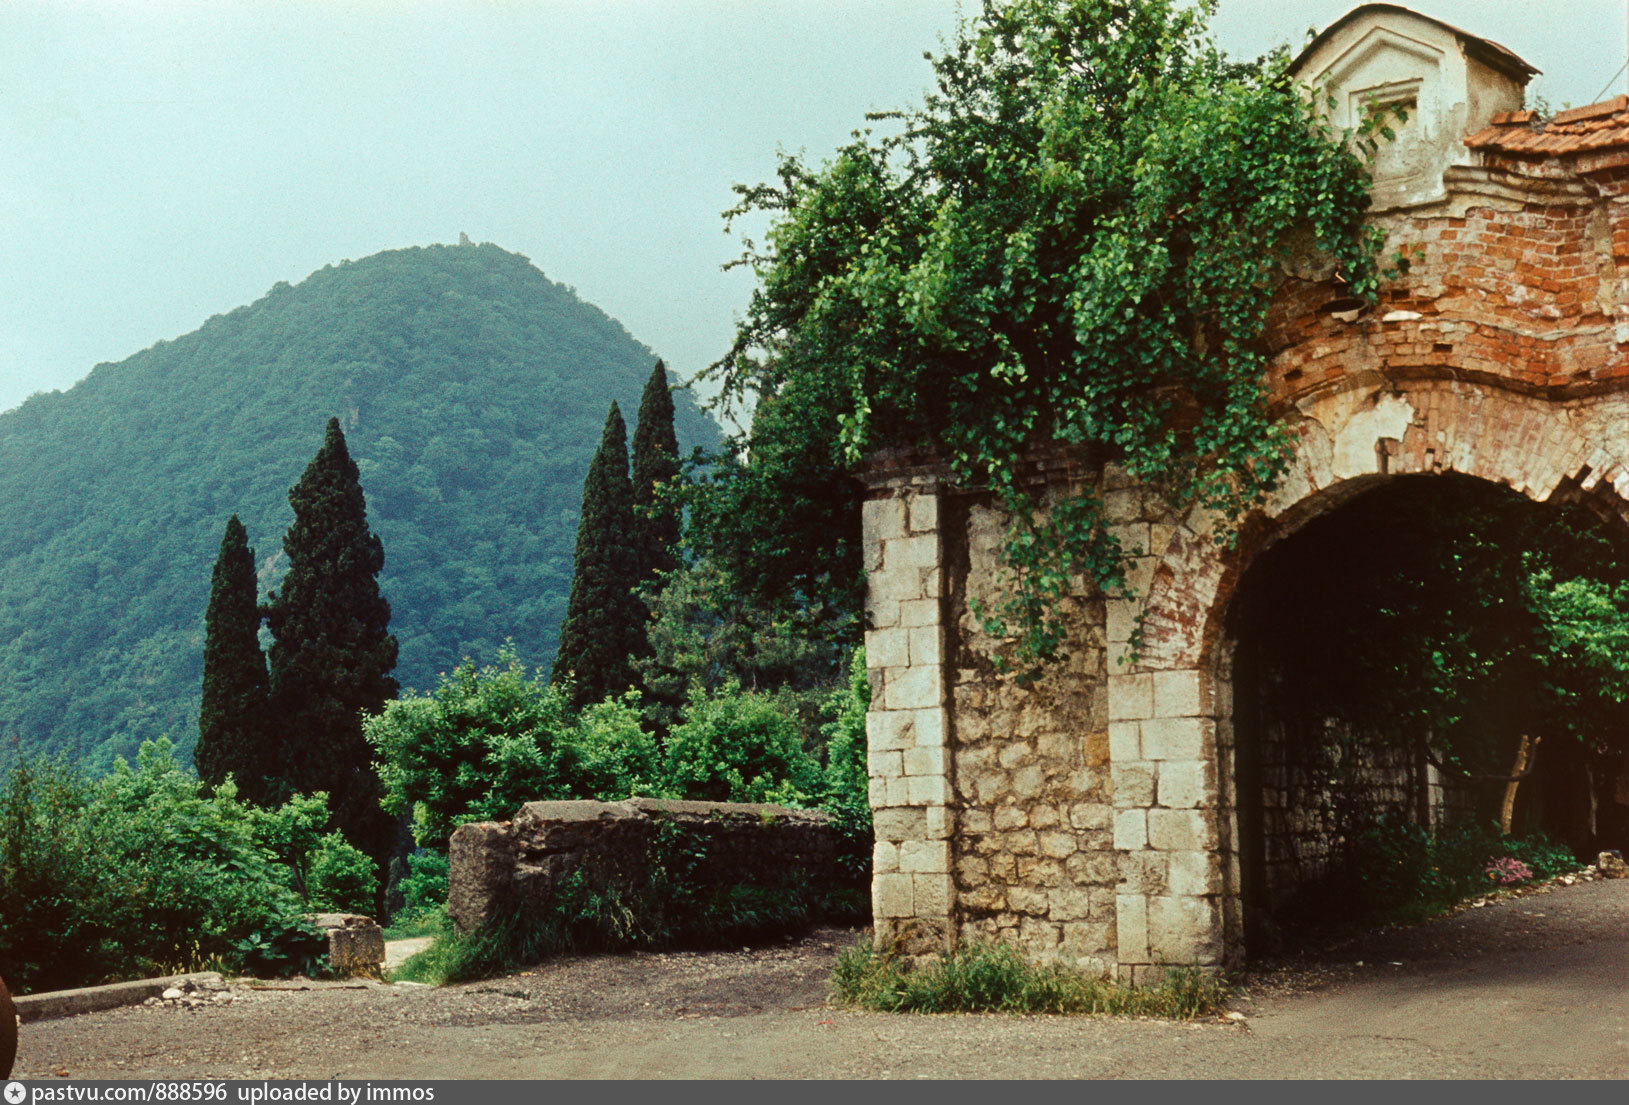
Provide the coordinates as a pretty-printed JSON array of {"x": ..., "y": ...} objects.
[
  {"x": 492, "y": 738},
  {"x": 343, "y": 878},
  {"x": 141, "y": 871},
  {"x": 739, "y": 746}
]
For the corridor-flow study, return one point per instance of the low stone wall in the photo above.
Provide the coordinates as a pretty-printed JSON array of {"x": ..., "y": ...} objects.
[{"x": 516, "y": 864}]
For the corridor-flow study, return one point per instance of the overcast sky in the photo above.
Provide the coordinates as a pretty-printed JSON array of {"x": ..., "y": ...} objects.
[{"x": 162, "y": 161}]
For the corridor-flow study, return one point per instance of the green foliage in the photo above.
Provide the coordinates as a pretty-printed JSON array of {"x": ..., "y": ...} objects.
[
  {"x": 655, "y": 471},
  {"x": 995, "y": 978},
  {"x": 846, "y": 794},
  {"x": 1466, "y": 614},
  {"x": 332, "y": 652},
  {"x": 1406, "y": 873},
  {"x": 605, "y": 622},
  {"x": 1072, "y": 240},
  {"x": 491, "y": 738},
  {"x": 139, "y": 872},
  {"x": 234, "y": 736},
  {"x": 343, "y": 879},
  {"x": 739, "y": 746},
  {"x": 707, "y": 633},
  {"x": 108, "y": 527}
]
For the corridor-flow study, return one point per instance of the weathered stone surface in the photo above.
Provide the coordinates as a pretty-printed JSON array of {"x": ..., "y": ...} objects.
[
  {"x": 515, "y": 865},
  {"x": 356, "y": 944},
  {"x": 1611, "y": 865}
]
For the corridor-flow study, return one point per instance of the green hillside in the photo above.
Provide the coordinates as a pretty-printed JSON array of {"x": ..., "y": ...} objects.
[{"x": 472, "y": 390}]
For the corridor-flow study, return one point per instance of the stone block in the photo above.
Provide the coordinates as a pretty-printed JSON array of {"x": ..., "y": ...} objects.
[
  {"x": 933, "y": 895},
  {"x": 924, "y": 761},
  {"x": 356, "y": 944},
  {"x": 1069, "y": 903},
  {"x": 884, "y": 614},
  {"x": 1120, "y": 621},
  {"x": 884, "y": 857},
  {"x": 1095, "y": 748},
  {"x": 882, "y": 519},
  {"x": 1193, "y": 874},
  {"x": 899, "y": 792},
  {"x": 924, "y": 646},
  {"x": 916, "y": 610},
  {"x": 1131, "y": 928},
  {"x": 924, "y": 513},
  {"x": 912, "y": 688},
  {"x": 1133, "y": 784},
  {"x": 1011, "y": 817},
  {"x": 899, "y": 824},
  {"x": 1175, "y": 738},
  {"x": 1144, "y": 872},
  {"x": 893, "y": 896},
  {"x": 925, "y": 857},
  {"x": 887, "y": 648},
  {"x": 892, "y": 585},
  {"x": 974, "y": 820},
  {"x": 940, "y": 826},
  {"x": 885, "y": 765},
  {"x": 930, "y": 727},
  {"x": 911, "y": 552},
  {"x": 1184, "y": 784},
  {"x": 1180, "y": 830},
  {"x": 1133, "y": 537},
  {"x": 890, "y": 730},
  {"x": 1091, "y": 815},
  {"x": 928, "y": 790},
  {"x": 1026, "y": 781},
  {"x": 877, "y": 792},
  {"x": 1181, "y": 930},
  {"x": 1176, "y": 694},
  {"x": 1130, "y": 829},
  {"x": 1058, "y": 845},
  {"x": 1131, "y": 698},
  {"x": 1086, "y": 940},
  {"x": 482, "y": 858},
  {"x": 1029, "y": 899},
  {"x": 1044, "y": 816}
]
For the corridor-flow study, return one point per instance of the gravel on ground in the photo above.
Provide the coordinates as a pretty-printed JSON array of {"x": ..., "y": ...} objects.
[{"x": 1535, "y": 986}]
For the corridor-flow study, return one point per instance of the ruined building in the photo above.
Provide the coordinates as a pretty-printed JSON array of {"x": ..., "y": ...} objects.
[{"x": 1095, "y": 817}]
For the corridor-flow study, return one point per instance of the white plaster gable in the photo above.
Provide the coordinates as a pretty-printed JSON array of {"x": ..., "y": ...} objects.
[{"x": 1448, "y": 82}]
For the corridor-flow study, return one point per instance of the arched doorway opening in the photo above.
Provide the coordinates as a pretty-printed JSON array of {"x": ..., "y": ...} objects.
[{"x": 1380, "y": 670}]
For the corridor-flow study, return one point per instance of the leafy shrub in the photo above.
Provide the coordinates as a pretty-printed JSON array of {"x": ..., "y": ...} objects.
[
  {"x": 739, "y": 746},
  {"x": 846, "y": 793},
  {"x": 995, "y": 978},
  {"x": 343, "y": 878},
  {"x": 142, "y": 871}
]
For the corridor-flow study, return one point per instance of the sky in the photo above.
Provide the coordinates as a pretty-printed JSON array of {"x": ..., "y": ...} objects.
[{"x": 162, "y": 161}]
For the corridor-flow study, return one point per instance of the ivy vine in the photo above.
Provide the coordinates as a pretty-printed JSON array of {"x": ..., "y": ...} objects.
[{"x": 1072, "y": 240}]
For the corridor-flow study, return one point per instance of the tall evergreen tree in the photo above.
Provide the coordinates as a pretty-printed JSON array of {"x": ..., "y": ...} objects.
[
  {"x": 331, "y": 652},
  {"x": 605, "y": 621},
  {"x": 655, "y": 463},
  {"x": 232, "y": 719}
]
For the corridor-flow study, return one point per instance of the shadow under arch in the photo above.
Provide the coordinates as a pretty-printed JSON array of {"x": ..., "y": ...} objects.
[{"x": 1349, "y": 441}]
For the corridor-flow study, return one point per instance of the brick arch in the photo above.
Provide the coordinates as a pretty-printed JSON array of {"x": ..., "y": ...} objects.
[{"x": 1170, "y": 710}]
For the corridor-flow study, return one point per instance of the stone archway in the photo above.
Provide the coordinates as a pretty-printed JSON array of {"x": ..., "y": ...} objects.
[{"x": 1170, "y": 711}]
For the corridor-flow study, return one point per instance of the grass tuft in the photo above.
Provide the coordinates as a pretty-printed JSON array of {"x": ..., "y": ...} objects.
[{"x": 995, "y": 978}]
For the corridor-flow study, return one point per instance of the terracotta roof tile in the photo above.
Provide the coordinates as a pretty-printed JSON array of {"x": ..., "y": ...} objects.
[{"x": 1592, "y": 127}]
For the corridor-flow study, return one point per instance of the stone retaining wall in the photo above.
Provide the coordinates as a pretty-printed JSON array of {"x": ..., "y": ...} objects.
[{"x": 517, "y": 864}]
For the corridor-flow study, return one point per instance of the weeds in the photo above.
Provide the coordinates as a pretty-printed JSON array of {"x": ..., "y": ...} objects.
[{"x": 995, "y": 978}]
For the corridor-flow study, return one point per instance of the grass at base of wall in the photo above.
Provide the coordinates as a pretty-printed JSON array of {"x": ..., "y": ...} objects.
[
  {"x": 996, "y": 978},
  {"x": 579, "y": 918}
]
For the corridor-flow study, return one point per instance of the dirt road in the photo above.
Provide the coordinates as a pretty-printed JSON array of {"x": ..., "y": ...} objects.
[{"x": 1533, "y": 987}]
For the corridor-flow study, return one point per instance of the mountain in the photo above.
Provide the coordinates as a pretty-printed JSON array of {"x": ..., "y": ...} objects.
[{"x": 472, "y": 391}]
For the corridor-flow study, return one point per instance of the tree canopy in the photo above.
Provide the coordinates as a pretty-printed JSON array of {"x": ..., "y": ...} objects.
[
  {"x": 233, "y": 731},
  {"x": 332, "y": 652},
  {"x": 1072, "y": 240}
]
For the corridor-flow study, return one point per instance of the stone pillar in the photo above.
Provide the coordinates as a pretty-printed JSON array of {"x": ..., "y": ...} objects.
[{"x": 912, "y": 893}]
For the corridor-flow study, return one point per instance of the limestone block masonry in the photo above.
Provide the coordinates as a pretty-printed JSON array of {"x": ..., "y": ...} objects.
[{"x": 906, "y": 730}]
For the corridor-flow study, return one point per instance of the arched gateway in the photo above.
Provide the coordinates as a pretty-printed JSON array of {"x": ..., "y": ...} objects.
[{"x": 1091, "y": 816}]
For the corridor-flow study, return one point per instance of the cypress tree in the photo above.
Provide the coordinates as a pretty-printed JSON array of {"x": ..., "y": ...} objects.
[
  {"x": 232, "y": 729},
  {"x": 331, "y": 653},
  {"x": 605, "y": 621},
  {"x": 655, "y": 462}
]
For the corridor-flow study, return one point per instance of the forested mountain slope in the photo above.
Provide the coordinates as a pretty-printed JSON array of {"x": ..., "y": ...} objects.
[{"x": 472, "y": 391}]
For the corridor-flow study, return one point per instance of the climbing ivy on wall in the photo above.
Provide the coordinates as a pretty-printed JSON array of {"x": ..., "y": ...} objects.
[{"x": 1073, "y": 239}]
